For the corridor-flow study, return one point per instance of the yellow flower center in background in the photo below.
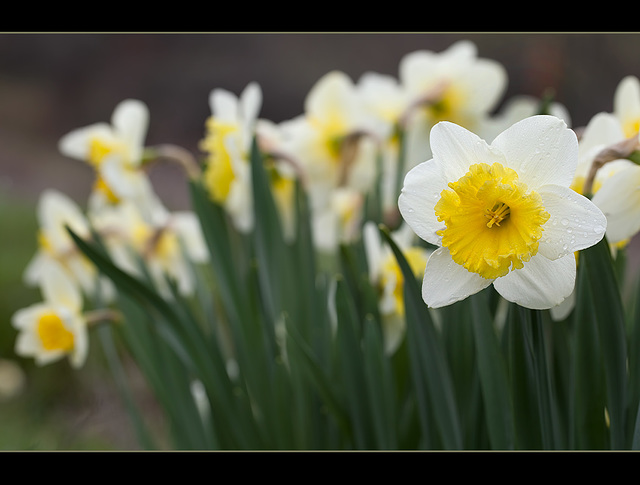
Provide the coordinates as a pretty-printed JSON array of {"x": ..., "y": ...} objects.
[
  {"x": 448, "y": 107},
  {"x": 631, "y": 127},
  {"x": 53, "y": 334},
  {"x": 493, "y": 222},
  {"x": 100, "y": 185},
  {"x": 219, "y": 172},
  {"x": 417, "y": 259}
]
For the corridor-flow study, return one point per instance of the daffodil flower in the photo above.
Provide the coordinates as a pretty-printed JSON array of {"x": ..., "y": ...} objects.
[
  {"x": 55, "y": 212},
  {"x": 501, "y": 213},
  {"x": 230, "y": 131},
  {"x": 54, "y": 328},
  {"x": 166, "y": 248},
  {"x": 124, "y": 135},
  {"x": 333, "y": 144},
  {"x": 115, "y": 150},
  {"x": 453, "y": 85},
  {"x": 518, "y": 108},
  {"x": 385, "y": 101},
  {"x": 385, "y": 275}
]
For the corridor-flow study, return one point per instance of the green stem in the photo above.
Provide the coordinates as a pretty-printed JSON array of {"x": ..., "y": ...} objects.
[{"x": 534, "y": 337}]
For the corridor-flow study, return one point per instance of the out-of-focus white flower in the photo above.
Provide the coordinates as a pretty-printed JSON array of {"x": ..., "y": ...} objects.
[
  {"x": 501, "y": 213},
  {"x": 56, "y": 211},
  {"x": 454, "y": 85},
  {"x": 385, "y": 275},
  {"x": 332, "y": 141},
  {"x": 339, "y": 221},
  {"x": 230, "y": 131},
  {"x": 167, "y": 249},
  {"x": 619, "y": 200},
  {"x": 602, "y": 131},
  {"x": 115, "y": 151},
  {"x": 333, "y": 145},
  {"x": 385, "y": 102},
  {"x": 55, "y": 328},
  {"x": 626, "y": 105},
  {"x": 518, "y": 108}
]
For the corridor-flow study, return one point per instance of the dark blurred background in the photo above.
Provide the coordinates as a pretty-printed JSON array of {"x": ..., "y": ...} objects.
[{"x": 51, "y": 84}]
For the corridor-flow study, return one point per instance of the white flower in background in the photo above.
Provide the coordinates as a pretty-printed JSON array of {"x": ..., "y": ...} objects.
[
  {"x": 167, "y": 249},
  {"x": 501, "y": 213},
  {"x": 615, "y": 185},
  {"x": 626, "y": 105},
  {"x": 56, "y": 211},
  {"x": 454, "y": 85},
  {"x": 339, "y": 221},
  {"x": 115, "y": 150},
  {"x": 54, "y": 328},
  {"x": 385, "y": 275},
  {"x": 602, "y": 131},
  {"x": 385, "y": 102},
  {"x": 518, "y": 108},
  {"x": 619, "y": 200},
  {"x": 332, "y": 144},
  {"x": 230, "y": 130}
]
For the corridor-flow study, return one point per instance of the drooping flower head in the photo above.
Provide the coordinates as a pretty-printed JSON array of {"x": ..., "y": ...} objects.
[
  {"x": 115, "y": 150},
  {"x": 501, "y": 213},
  {"x": 54, "y": 328}
]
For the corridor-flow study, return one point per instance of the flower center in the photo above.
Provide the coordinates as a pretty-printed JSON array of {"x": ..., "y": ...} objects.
[
  {"x": 493, "y": 222},
  {"x": 53, "y": 334},
  {"x": 498, "y": 213}
]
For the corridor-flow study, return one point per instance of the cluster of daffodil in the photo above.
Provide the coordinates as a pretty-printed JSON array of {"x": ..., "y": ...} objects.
[{"x": 285, "y": 310}]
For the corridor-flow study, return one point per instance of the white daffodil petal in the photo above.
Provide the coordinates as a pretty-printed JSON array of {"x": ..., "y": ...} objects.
[
  {"x": 484, "y": 85},
  {"x": 58, "y": 288},
  {"x": 619, "y": 200},
  {"x": 541, "y": 284},
  {"x": 56, "y": 211},
  {"x": 575, "y": 222},
  {"x": 456, "y": 149},
  {"x": 224, "y": 105},
  {"x": 541, "y": 149},
  {"x": 420, "y": 193},
  {"x": 332, "y": 95},
  {"x": 23, "y": 318},
  {"x": 131, "y": 121},
  {"x": 446, "y": 282},
  {"x": 250, "y": 101},
  {"x": 76, "y": 144},
  {"x": 187, "y": 225}
]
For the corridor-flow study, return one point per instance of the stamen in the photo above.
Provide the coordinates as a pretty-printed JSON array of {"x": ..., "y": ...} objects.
[{"x": 498, "y": 213}]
